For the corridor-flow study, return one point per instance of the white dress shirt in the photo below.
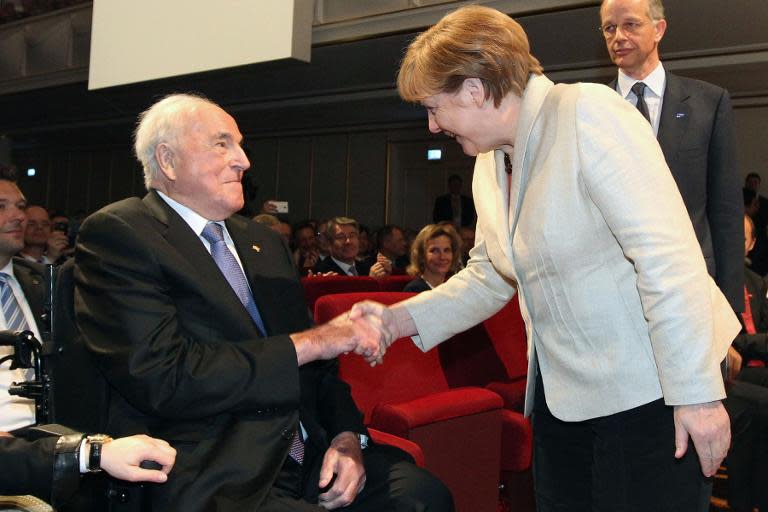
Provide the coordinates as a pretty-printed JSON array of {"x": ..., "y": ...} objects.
[
  {"x": 655, "y": 83},
  {"x": 15, "y": 412}
]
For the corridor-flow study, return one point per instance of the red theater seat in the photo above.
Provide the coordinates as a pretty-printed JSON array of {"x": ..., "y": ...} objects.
[
  {"x": 459, "y": 429},
  {"x": 318, "y": 286},
  {"x": 394, "y": 283}
]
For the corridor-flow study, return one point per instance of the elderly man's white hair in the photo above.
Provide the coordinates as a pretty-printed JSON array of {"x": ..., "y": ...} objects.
[{"x": 161, "y": 123}]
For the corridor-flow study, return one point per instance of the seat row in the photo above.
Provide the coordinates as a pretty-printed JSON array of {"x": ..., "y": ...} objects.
[{"x": 459, "y": 403}]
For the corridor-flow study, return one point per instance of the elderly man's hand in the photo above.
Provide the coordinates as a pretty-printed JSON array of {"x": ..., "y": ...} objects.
[
  {"x": 340, "y": 336},
  {"x": 709, "y": 428},
  {"x": 344, "y": 458}
]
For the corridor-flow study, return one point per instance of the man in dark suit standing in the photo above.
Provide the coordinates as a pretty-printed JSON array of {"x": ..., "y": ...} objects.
[
  {"x": 455, "y": 207},
  {"x": 21, "y": 298},
  {"x": 197, "y": 319},
  {"x": 693, "y": 123}
]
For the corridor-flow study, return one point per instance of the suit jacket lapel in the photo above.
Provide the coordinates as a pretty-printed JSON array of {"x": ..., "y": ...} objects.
[
  {"x": 675, "y": 113},
  {"x": 202, "y": 268}
]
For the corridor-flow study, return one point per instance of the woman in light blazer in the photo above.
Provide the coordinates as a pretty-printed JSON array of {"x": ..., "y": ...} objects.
[{"x": 579, "y": 215}]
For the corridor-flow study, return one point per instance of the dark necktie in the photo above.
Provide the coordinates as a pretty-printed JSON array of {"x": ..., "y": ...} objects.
[
  {"x": 228, "y": 265},
  {"x": 639, "y": 90},
  {"x": 14, "y": 316}
]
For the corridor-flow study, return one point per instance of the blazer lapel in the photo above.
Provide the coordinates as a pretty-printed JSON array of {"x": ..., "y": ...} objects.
[
  {"x": 533, "y": 98},
  {"x": 203, "y": 271},
  {"x": 675, "y": 113}
]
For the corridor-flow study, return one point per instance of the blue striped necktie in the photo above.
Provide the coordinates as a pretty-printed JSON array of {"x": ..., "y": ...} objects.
[
  {"x": 229, "y": 266},
  {"x": 14, "y": 316}
]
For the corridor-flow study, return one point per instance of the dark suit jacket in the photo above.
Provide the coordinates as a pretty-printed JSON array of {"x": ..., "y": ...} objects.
[
  {"x": 187, "y": 364},
  {"x": 444, "y": 210},
  {"x": 328, "y": 265},
  {"x": 697, "y": 138}
]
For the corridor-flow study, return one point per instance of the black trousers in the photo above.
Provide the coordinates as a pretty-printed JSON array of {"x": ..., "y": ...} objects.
[
  {"x": 393, "y": 484},
  {"x": 619, "y": 463}
]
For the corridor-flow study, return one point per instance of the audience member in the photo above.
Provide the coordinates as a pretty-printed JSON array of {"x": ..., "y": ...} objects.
[
  {"x": 365, "y": 243},
  {"x": 454, "y": 206},
  {"x": 693, "y": 121},
  {"x": 759, "y": 213},
  {"x": 50, "y": 468},
  {"x": 199, "y": 324},
  {"x": 21, "y": 297},
  {"x": 434, "y": 257},
  {"x": 344, "y": 236},
  {"x": 467, "y": 235},
  {"x": 392, "y": 249},
  {"x": 747, "y": 402},
  {"x": 41, "y": 243},
  {"x": 305, "y": 254},
  {"x": 281, "y": 228}
]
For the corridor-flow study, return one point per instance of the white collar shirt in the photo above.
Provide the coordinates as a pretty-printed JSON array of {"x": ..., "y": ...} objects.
[
  {"x": 656, "y": 83},
  {"x": 15, "y": 412}
]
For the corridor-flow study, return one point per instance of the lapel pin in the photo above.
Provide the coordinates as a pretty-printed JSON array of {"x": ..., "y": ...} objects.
[
  {"x": 256, "y": 248},
  {"x": 679, "y": 115}
]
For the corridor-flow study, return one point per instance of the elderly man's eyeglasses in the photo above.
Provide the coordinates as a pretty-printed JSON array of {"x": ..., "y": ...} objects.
[
  {"x": 628, "y": 27},
  {"x": 341, "y": 237}
]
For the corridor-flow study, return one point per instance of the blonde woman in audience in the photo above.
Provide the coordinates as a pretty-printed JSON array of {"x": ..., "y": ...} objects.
[{"x": 434, "y": 257}]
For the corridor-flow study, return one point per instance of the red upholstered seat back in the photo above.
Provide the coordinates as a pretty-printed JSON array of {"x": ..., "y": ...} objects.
[
  {"x": 493, "y": 351},
  {"x": 506, "y": 330},
  {"x": 407, "y": 372},
  {"x": 315, "y": 287},
  {"x": 394, "y": 283}
]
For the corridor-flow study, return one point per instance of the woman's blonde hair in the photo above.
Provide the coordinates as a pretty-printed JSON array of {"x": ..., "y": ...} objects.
[
  {"x": 470, "y": 42},
  {"x": 419, "y": 247}
]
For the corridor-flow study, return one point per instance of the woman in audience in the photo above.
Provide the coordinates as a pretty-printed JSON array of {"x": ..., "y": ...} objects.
[
  {"x": 579, "y": 215},
  {"x": 434, "y": 257}
]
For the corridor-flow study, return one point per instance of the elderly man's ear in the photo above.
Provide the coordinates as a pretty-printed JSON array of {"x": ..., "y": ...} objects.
[{"x": 165, "y": 161}]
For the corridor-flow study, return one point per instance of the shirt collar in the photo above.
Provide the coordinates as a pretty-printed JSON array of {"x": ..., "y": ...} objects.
[
  {"x": 654, "y": 82},
  {"x": 195, "y": 221},
  {"x": 8, "y": 268},
  {"x": 344, "y": 266}
]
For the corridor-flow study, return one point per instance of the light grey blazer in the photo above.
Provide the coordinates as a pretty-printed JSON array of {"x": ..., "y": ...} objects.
[{"x": 594, "y": 236}]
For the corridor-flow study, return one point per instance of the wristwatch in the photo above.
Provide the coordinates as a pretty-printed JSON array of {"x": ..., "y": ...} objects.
[{"x": 95, "y": 442}]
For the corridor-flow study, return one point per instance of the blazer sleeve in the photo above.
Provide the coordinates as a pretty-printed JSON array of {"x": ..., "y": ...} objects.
[
  {"x": 127, "y": 305},
  {"x": 32, "y": 464},
  {"x": 724, "y": 205},
  {"x": 625, "y": 175}
]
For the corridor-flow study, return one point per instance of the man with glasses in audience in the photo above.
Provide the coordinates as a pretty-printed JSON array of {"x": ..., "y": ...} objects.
[
  {"x": 343, "y": 234},
  {"x": 693, "y": 122}
]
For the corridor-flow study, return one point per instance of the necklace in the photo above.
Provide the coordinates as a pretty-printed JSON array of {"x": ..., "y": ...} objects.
[{"x": 507, "y": 164}]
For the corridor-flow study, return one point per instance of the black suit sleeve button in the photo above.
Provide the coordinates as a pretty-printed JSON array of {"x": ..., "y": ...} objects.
[{"x": 286, "y": 434}]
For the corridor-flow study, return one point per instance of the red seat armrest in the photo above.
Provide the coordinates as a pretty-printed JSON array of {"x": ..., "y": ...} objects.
[{"x": 399, "y": 418}]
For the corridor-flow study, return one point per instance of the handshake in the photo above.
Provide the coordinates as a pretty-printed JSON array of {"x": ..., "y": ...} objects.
[{"x": 368, "y": 329}]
